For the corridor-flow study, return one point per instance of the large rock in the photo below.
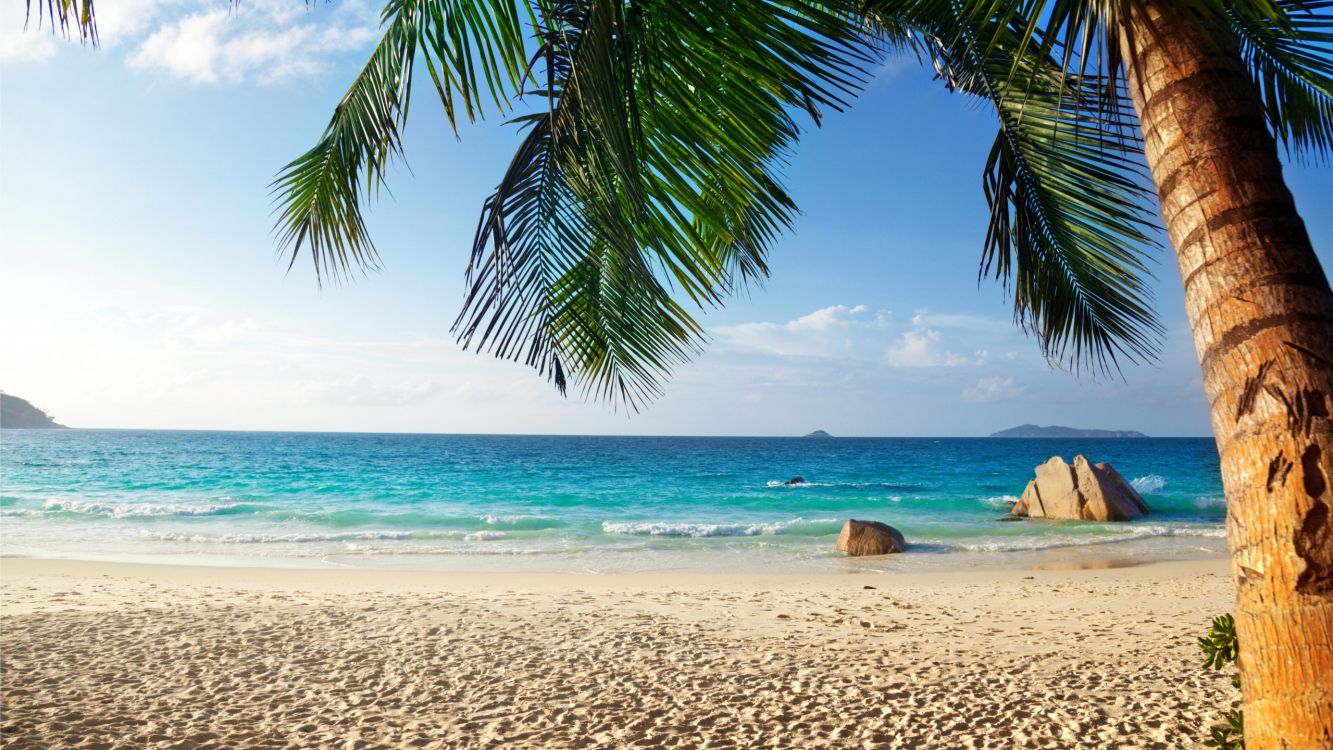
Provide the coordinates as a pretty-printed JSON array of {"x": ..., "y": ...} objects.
[
  {"x": 1082, "y": 492},
  {"x": 860, "y": 538}
]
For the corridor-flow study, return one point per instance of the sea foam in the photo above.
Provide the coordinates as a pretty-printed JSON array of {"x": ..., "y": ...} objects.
[
  {"x": 139, "y": 510},
  {"x": 999, "y": 502},
  {"x": 1151, "y": 484},
  {"x": 347, "y": 536},
  {"x": 1057, "y": 541},
  {"x": 484, "y": 536},
  {"x": 678, "y": 529}
]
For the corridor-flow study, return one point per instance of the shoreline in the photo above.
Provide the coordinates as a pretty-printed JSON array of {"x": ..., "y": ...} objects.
[
  {"x": 162, "y": 656},
  {"x": 1111, "y": 554},
  {"x": 76, "y": 568}
]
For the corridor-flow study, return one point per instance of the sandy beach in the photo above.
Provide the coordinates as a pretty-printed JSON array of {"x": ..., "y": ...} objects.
[{"x": 103, "y": 655}]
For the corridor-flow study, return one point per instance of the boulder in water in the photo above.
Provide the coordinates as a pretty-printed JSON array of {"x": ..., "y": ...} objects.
[
  {"x": 798, "y": 479},
  {"x": 1082, "y": 492},
  {"x": 859, "y": 538}
]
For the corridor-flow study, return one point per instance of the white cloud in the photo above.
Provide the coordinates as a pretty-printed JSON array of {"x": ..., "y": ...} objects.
[
  {"x": 845, "y": 332},
  {"x": 126, "y": 20},
  {"x": 993, "y": 389},
  {"x": 18, "y": 44},
  {"x": 828, "y": 332},
  {"x": 187, "y": 48},
  {"x": 266, "y": 41},
  {"x": 826, "y": 318},
  {"x": 922, "y": 346},
  {"x": 915, "y": 349},
  {"x": 186, "y": 366},
  {"x": 263, "y": 40}
]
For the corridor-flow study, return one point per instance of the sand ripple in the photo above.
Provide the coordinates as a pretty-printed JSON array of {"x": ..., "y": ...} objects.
[{"x": 1085, "y": 659}]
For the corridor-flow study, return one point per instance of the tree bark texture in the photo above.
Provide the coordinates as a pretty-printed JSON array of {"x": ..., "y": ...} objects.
[{"x": 1261, "y": 312}]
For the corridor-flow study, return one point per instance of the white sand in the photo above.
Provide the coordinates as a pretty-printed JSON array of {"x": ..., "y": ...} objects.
[{"x": 99, "y": 655}]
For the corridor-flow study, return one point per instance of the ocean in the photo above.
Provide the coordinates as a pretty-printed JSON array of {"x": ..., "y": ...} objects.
[{"x": 570, "y": 503}]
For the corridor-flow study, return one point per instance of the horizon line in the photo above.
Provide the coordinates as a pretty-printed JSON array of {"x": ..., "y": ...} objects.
[{"x": 607, "y": 435}]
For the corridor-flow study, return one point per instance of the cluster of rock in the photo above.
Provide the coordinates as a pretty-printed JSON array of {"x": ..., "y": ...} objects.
[{"x": 1082, "y": 492}]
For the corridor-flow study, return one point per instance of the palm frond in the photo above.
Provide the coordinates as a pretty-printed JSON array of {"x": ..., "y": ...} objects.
[
  {"x": 471, "y": 49},
  {"x": 1287, "y": 46},
  {"x": 76, "y": 16},
  {"x": 318, "y": 196},
  {"x": 1070, "y": 229},
  {"x": 1069, "y": 226},
  {"x": 652, "y": 173}
]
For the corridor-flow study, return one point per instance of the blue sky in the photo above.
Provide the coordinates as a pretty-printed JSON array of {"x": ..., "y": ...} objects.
[{"x": 142, "y": 286}]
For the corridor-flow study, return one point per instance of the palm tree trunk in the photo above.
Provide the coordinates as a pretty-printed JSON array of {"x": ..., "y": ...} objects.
[{"x": 1262, "y": 315}]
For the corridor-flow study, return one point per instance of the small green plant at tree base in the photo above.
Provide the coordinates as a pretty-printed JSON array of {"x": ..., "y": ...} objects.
[
  {"x": 1220, "y": 649},
  {"x": 1229, "y": 736}
]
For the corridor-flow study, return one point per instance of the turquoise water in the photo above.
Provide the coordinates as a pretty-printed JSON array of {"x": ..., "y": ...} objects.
[{"x": 574, "y": 503}]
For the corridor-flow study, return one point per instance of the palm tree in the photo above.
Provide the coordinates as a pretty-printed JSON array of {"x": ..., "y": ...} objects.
[
  {"x": 646, "y": 186},
  {"x": 1214, "y": 86}
]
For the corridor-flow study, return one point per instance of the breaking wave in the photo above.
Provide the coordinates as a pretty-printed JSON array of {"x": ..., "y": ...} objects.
[
  {"x": 999, "y": 502},
  {"x": 844, "y": 485},
  {"x": 142, "y": 510},
  {"x": 346, "y": 536},
  {"x": 801, "y": 526},
  {"x": 1149, "y": 485},
  {"x": 1056, "y": 541}
]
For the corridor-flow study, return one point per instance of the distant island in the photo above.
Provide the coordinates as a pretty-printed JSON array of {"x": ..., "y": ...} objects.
[
  {"x": 18, "y": 413},
  {"x": 1056, "y": 431},
  {"x": 819, "y": 434}
]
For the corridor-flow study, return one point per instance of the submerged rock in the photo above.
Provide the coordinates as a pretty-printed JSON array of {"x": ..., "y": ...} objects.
[
  {"x": 1082, "y": 492},
  {"x": 859, "y": 538}
]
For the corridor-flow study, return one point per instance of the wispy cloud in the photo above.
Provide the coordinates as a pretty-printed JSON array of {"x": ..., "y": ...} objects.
[
  {"x": 18, "y": 44},
  {"x": 833, "y": 331},
  {"x": 893, "y": 66},
  {"x": 262, "y": 41},
  {"x": 856, "y": 332},
  {"x": 995, "y": 388},
  {"x": 189, "y": 366},
  {"x": 124, "y": 22},
  {"x": 267, "y": 41},
  {"x": 923, "y": 346}
]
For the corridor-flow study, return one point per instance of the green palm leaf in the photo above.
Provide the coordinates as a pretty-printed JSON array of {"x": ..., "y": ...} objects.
[
  {"x": 1288, "y": 47},
  {"x": 1069, "y": 227},
  {"x": 1064, "y": 180},
  {"x": 1070, "y": 231},
  {"x": 319, "y": 196},
  {"x": 652, "y": 173}
]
